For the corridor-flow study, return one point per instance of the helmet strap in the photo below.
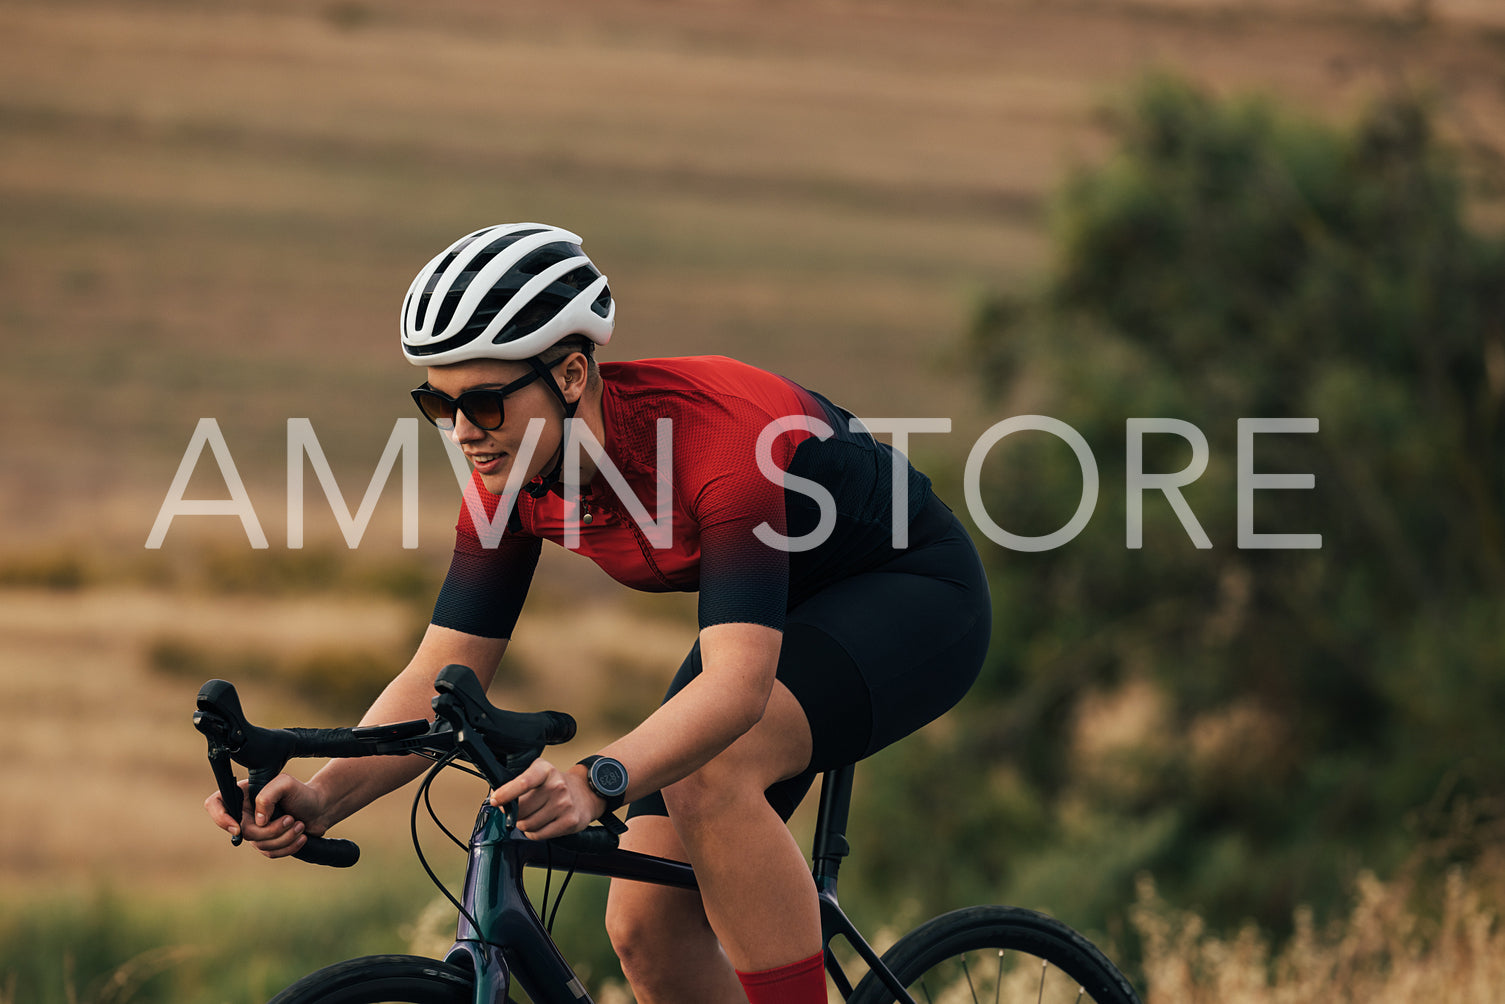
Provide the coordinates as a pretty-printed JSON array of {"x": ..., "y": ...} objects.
[{"x": 550, "y": 481}]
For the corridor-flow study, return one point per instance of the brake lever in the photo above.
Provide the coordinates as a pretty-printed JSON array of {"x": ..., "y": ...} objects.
[
  {"x": 218, "y": 731},
  {"x": 229, "y": 788}
]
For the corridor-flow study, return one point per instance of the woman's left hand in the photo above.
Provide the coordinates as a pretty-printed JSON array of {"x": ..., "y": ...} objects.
[{"x": 550, "y": 802}]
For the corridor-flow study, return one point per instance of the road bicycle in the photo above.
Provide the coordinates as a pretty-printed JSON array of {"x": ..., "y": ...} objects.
[{"x": 975, "y": 954}]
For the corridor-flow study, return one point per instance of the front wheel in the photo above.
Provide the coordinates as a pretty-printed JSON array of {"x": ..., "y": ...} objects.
[
  {"x": 997, "y": 954},
  {"x": 382, "y": 979}
]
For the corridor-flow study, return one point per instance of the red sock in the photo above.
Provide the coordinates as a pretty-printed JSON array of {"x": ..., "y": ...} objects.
[{"x": 797, "y": 983}]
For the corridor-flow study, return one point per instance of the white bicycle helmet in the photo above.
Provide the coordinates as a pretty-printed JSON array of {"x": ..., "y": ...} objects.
[{"x": 505, "y": 292}]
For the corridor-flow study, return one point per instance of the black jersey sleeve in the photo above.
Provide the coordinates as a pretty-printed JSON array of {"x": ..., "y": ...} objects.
[
  {"x": 483, "y": 592},
  {"x": 488, "y": 580}
]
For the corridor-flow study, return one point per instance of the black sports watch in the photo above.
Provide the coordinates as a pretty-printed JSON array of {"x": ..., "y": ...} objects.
[{"x": 607, "y": 778}]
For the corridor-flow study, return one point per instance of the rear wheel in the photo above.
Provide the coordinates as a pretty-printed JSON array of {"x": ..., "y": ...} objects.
[
  {"x": 1001, "y": 955},
  {"x": 382, "y": 979}
]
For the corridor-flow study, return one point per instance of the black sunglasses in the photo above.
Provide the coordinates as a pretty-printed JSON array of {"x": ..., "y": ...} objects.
[{"x": 484, "y": 406}]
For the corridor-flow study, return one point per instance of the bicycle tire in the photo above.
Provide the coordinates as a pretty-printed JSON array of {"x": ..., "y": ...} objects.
[
  {"x": 382, "y": 979},
  {"x": 1028, "y": 957}
]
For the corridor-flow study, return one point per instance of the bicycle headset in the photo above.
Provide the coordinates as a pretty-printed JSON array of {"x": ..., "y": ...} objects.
[{"x": 508, "y": 292}]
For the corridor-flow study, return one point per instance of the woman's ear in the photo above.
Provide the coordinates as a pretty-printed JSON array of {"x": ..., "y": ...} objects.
[{"x": 574, "y": 375}]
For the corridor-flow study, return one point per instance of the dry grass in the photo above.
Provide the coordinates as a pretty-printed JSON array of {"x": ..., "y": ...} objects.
[
  {"x": 94, "y": 726},
  {"x": 105, "y": 772},
  {"x": 1404, "y": 941}
]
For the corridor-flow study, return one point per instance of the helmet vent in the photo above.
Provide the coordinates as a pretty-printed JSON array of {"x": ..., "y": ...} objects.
[
  {"x": 491, "y": 304},
  {"x": 579, "y": 278},
  {"x": 528, "y": 320},
  {"x": 462, "y": 282},
  {"x": 549, "y": 254},
  {"x": 434, "y": 276}
]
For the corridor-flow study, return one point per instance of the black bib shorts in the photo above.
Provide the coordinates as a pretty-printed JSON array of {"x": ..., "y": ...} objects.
[{"x": 874, "y": 657}]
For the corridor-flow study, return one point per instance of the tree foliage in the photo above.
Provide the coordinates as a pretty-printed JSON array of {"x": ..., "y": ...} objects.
[{"x": 1249, "y": 725}]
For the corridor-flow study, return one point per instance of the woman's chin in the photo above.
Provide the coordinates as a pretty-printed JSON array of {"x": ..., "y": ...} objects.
[
  {"x": 494, "y": 474},
  {"x": 496, "y": 484}
]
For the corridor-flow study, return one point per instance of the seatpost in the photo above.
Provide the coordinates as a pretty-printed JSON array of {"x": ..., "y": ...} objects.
[{"x": 831, "y": 826}]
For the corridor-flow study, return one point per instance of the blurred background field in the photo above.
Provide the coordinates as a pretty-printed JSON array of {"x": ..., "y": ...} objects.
[{"x": 971, "y": 210}]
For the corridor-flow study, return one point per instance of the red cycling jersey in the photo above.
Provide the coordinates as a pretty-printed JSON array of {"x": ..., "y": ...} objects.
[{"x": 705, "y": 515}]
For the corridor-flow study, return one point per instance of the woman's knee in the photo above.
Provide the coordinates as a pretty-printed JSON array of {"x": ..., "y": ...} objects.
[
  {"x": 647, "y": 923},
  {"x": 718, "y": 790},
  {"x": 778, "y": 747}
]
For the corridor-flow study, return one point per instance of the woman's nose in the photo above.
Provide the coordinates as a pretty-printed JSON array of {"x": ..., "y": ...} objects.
[{"x": 465, "y": 430}]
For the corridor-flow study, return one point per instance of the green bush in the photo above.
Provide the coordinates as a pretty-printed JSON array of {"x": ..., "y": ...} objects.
[{"x": 1317, "y": 710}]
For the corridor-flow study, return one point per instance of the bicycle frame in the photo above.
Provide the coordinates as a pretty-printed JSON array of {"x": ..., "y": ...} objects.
[
  {"x": 508, "y": 938},
  {"x": 511, "y": 939},
  {"x": 499, "y": 934}
]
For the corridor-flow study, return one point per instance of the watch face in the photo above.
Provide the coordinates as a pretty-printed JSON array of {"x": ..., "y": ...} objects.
[{"x": 608, "y": 776}]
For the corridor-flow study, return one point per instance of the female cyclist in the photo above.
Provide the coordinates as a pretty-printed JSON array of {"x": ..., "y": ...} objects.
[{"x": 841, "y": 604}]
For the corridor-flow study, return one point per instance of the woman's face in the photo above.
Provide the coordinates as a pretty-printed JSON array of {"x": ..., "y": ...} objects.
[{"x": 494, "y": 453}]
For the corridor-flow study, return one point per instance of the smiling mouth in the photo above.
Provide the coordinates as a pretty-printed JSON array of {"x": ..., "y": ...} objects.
[{"x": 486, "y": 462}]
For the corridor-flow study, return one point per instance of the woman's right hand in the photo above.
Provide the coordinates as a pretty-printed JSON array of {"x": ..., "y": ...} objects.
[{"x": 286, "y": 813}]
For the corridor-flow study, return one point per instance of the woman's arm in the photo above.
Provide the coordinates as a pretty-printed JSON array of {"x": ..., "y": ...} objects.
[
  {"x": 726, "y": 700},
  {"x": 714, "y": 710}
]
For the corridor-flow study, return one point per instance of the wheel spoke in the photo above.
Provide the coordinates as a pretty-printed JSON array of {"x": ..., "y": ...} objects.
[{"x": 968, "y": 973}]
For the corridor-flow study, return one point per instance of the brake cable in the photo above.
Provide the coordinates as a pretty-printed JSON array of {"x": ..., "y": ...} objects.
[
  {"x": 450, "y": 760},
  {"x": 446, "y": 761}
]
